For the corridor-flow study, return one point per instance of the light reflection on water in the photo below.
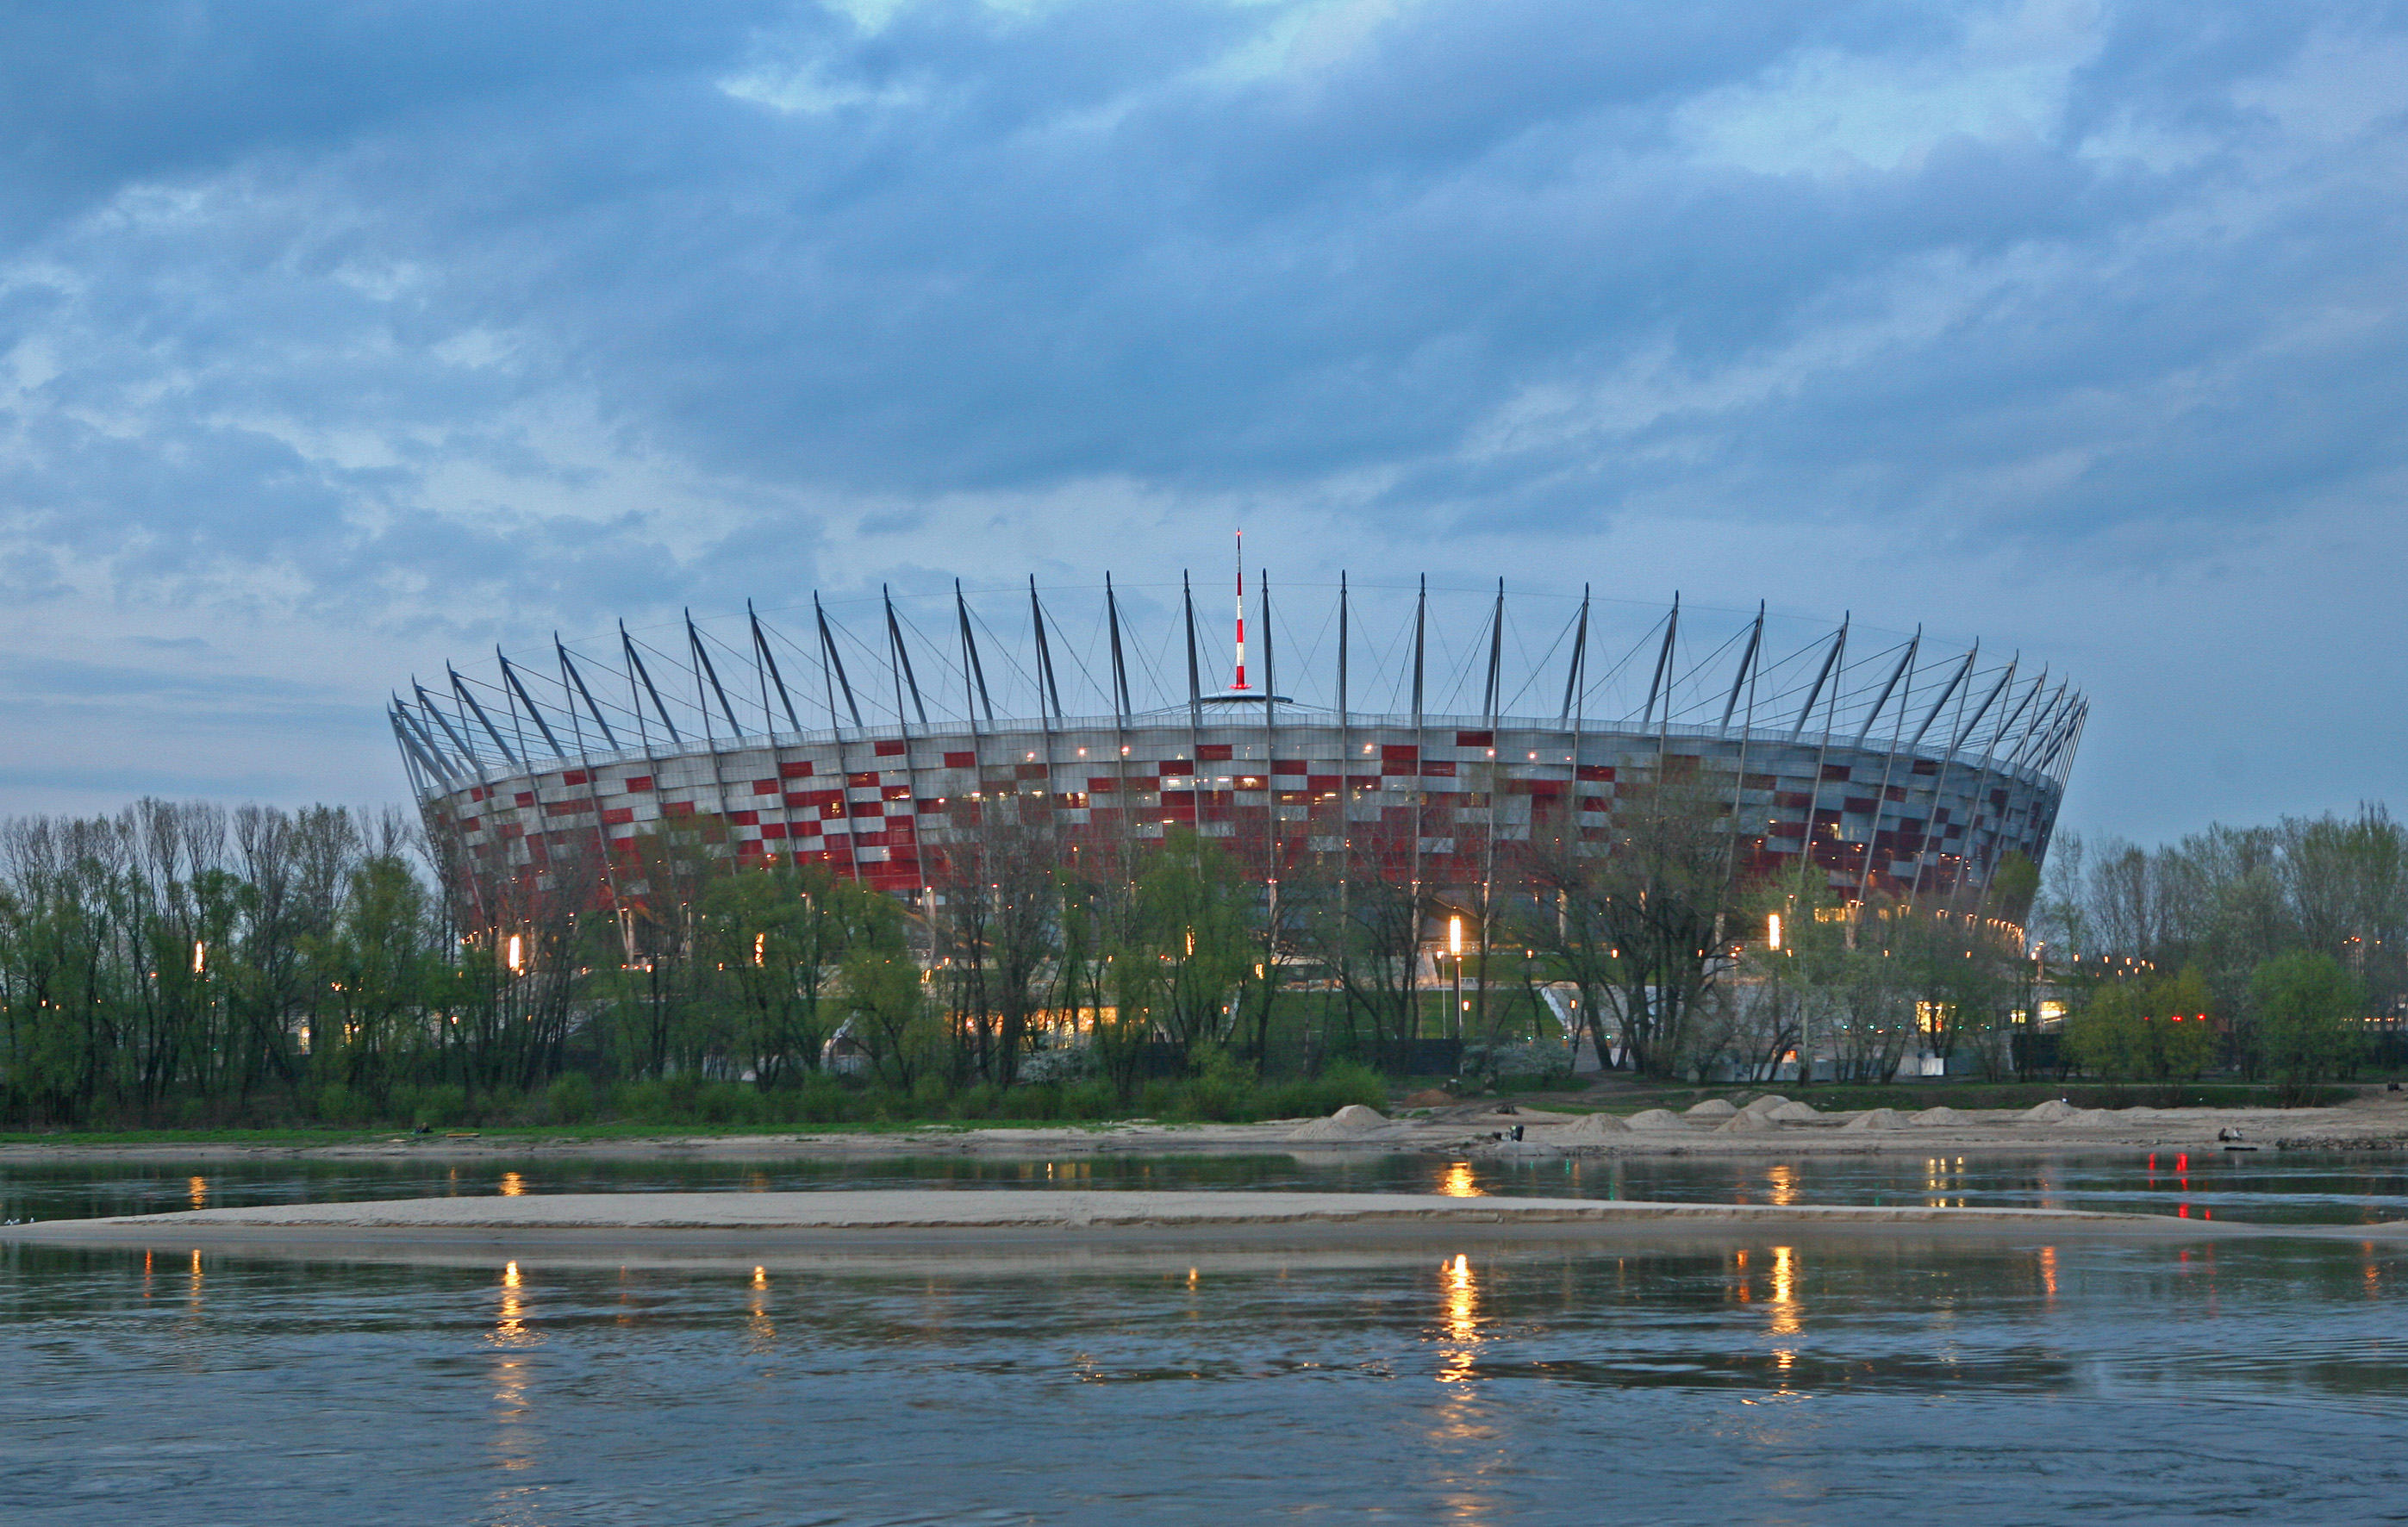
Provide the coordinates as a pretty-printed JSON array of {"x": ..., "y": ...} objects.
[{"x": 2258, "y": 1381}]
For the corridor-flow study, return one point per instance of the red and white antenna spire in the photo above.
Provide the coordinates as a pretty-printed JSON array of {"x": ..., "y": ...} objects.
[{"x": 1242, "y": 612}]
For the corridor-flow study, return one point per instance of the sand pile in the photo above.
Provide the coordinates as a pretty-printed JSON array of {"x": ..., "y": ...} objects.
[
  {"x": 2054, "y": 1111},
  {"x": 1347, "y": 1123},
  {"x": 1656, "y": 1118},
  {"x": 1794, "y": 1113},
  {"x": 1767, "y": 1106},
  {"x": 1587, "y": 1126},
  {"x": 1745, "y": 1121},
  {"x": 1940, "y": 1115},
  {"x": 1877, "y": 1119},
  {"x": 1713, "y": 1107}
]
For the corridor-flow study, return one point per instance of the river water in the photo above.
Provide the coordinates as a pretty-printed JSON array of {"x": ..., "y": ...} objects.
[{"x": 1773, "y": 1378}]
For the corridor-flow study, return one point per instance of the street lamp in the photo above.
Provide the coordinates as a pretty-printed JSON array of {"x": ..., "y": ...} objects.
[{"x": 1455, "y": 947}]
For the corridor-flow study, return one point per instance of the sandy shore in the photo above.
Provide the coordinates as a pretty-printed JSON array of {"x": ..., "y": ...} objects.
[
  {"x": 2374, "y": 1122},
  {"x": 1040, "y": 1221}
]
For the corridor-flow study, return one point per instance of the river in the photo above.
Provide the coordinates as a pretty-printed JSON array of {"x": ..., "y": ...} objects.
[{"x": 1774, "y": 1378}]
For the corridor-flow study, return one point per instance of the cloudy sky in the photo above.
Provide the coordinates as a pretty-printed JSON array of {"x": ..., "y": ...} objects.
[{"x": 338, "y": 340}]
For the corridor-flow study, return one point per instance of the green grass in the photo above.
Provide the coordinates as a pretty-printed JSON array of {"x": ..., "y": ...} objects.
[{"x": 331, "y": 1135}]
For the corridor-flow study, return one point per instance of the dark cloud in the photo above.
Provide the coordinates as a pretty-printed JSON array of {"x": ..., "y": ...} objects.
[{"x": 439, "y": 324}]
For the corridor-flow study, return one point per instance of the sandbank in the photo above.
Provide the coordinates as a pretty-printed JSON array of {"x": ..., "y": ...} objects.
[
  {"x": 1045, "y": 1223},
  {"x": 2377, "y": 1121}
]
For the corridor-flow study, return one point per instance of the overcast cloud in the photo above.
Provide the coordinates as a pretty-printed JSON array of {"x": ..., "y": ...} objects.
[{"x": 338, "y": 340}]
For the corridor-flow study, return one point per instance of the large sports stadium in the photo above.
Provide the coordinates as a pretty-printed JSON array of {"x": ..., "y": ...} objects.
[{"x": 1405, "y": 732}]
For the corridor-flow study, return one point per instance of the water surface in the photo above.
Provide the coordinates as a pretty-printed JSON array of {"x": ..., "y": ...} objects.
[{"x": 1770, "y": 1378}]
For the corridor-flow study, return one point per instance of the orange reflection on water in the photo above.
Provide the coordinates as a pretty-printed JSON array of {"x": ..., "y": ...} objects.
[
  {"x": 511, "y": 1328},
  {"x": 512, "y": 1185},
  {"x": 2048, "y": 1272},
  {"x": 1457, "y": 1182},
  {"x": 199, "y": 1188},
  {"x": 762, "y": 1331},
  {"x": 1784, "y": 1184},
  {"x": 512, "y": 1441},
  {"x": 1461, "y": 1318},
  {"x": 1787, "y": 1318}
]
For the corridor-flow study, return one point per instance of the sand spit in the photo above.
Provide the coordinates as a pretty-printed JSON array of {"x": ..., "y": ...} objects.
[
  {"x": 2376, "y": 1122},
  {"x": 923, "y": 1216}
]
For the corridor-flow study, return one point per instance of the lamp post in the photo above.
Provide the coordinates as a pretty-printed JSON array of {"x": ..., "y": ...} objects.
[{"x": 1455, "y": 947}]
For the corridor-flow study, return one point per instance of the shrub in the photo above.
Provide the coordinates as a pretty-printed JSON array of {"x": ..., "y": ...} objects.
[
  {"x": 339, "y": 1105},
  {"x": 1059, "y": 1065},
  {"x": 1039, "y": 1102},
  {"x": 1317, "y": 1096},
  {"x": 569, "y": 1099},
  {"x": 1159, "y": 1099},
  {"x": 436, "y": 1107},
  {"x": 1219, "y": 1089},
  {"x": 822, "y": 1100},
  {"x": 639, "y": 1101},
  {"x": 1093, "y": 1099}
]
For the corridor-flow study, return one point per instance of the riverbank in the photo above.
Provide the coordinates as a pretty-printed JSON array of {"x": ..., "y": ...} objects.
[{"x": 2372, "y": 1121}]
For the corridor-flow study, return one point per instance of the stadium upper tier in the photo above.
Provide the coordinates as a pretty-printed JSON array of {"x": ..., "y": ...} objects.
[{"x": 1407, "y": 731}]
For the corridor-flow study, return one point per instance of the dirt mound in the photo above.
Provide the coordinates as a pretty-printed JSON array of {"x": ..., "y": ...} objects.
[
  {"x": 1713, "y": 1107},
  {"x": 1877, "y": 1119},
  {"x": 2054, "y": 1111},
  {"x": 1589, "y": 1124},
  {"x": 1347, "y": 1123},
  {"x": 1656, "y": 1118},
  {"x": 1745, "y": 1121},
  {"x": 1940, "y": 1115},
  {"x": 1794, "y": 1113},
  {"x": 1764, "y": 1106}
]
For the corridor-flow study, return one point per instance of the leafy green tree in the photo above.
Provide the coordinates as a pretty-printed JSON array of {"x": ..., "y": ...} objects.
[
  {"x": 887, "y": 1000},
  {"x": 2308, "y": 1009},
  {"x": 2145, "y": 1028},
  {"x": 1638, "y": 922},
  {"x": 1192, "y": 940}
]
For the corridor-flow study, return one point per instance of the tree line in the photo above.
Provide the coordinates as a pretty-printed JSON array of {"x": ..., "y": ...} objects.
[{"x": 187, "y": 964}]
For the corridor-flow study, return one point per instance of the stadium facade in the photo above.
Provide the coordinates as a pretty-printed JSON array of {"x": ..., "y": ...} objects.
[{"x": 1407, "y": 731}]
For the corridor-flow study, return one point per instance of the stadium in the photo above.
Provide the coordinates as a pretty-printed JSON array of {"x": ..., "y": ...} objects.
[{"x": 1403, "y": 732}]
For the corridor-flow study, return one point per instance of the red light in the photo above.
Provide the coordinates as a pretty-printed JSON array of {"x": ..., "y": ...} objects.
[
  {"x": 2182, "y": 1165},
  {"x": 2183, "y": 1212}
]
